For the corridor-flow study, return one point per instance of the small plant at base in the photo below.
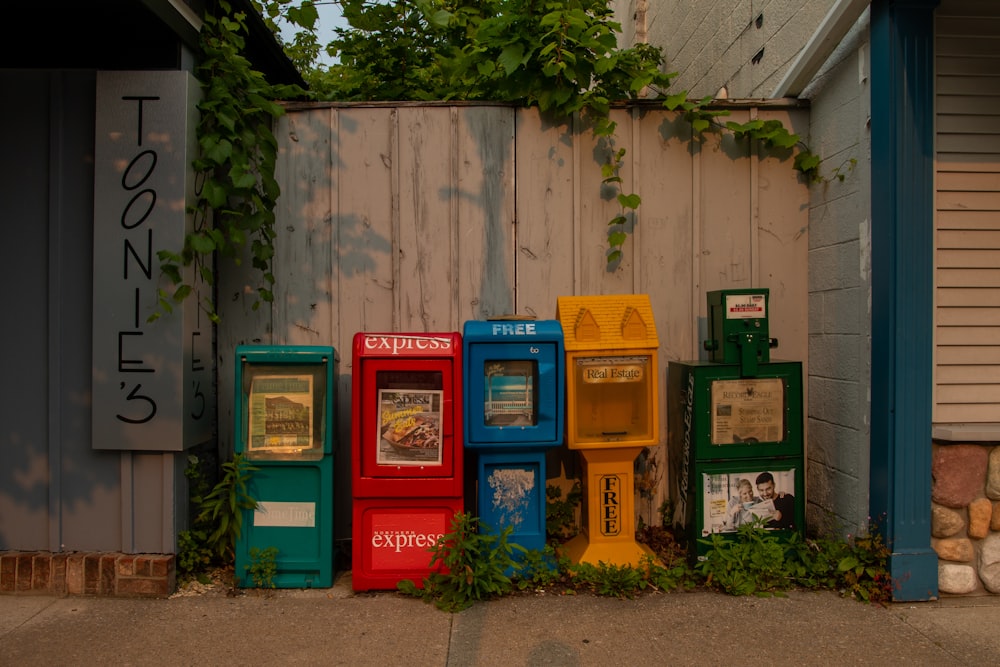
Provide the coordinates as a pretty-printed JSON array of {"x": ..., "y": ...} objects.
[
  {"x": 609, "y": 580},
  {"x": 863, "y": 570},
  {"x": 263, "y": 566},
  {"x": 193, "y": 555},
  {"x": 560, "y": 513},
  {"x": 223, "y": 507},
  {"x": 474, "y": 566},
  {"x": 752, "y": 563},
  {"x": 541, "y": 568}
]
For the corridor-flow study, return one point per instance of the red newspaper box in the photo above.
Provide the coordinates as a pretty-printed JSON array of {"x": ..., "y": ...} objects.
[{"x": 406, "y": 452}]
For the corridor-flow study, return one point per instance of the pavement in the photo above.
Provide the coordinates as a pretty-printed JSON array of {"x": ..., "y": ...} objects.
[{"x": 339, "y": 627}]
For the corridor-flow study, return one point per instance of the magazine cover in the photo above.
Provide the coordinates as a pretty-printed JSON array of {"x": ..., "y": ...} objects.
[
  {"x": 280, "y": 413},
  {"x": 409, "y": 426}
]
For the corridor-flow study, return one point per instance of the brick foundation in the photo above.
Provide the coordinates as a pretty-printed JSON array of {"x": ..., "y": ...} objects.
[{"x": 105, "y": 574}]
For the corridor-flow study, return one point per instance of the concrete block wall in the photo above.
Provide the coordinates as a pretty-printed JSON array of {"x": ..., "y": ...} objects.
[
  {"x": 744, "y": 45},
  {"x": 965, "y": 517},
  {"x": 837, "y": 449},
  {"x": 102, "y": 574}
]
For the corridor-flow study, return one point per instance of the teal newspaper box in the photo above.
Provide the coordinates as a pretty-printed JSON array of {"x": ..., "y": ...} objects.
[{"x": 285, "y": 397}]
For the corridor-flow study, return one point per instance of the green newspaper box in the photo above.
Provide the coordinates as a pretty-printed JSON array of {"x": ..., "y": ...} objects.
[{"x": 285, "y": 397}]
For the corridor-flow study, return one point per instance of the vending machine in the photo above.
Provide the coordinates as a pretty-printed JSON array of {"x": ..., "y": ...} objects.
[
  {"x": 514, "y": 402},
  {"x": 284, "y": 429},
  {"x": 406, "y": 453},
  {"x": 612, "y": 397},
  {"x": 735, "y": 427}
]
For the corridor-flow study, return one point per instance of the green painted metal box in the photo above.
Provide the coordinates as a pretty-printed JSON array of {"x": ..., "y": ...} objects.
[
  {"x": 724, "y": 428},
  {"x": 285, "y": 398},
  {"x": 738, "y": 331}
]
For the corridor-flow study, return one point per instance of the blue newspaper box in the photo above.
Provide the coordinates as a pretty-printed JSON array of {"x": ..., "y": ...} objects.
[
  {"x": 514, "y": 378},
  {"x": 285, "y": 397}
]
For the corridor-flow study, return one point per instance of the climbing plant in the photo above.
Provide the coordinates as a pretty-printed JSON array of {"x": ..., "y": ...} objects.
[
  {"x": 560, "y": 56},
  {"x": 236, "y": 188}
]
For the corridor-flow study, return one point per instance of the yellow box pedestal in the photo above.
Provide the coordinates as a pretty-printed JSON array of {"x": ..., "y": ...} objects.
[{"x": 608, "y": 516}]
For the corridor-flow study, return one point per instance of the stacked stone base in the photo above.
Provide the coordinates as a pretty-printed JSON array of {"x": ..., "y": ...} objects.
[
  {"x": 104, "y": 574},
  {"x": 965, "y": 518}
]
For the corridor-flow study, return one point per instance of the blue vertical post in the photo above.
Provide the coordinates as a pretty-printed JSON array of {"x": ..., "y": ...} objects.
[{"x": 902, "y": 59}]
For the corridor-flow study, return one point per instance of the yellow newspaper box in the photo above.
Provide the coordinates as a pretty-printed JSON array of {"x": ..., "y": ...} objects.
[{"x": 611, "y": 397}]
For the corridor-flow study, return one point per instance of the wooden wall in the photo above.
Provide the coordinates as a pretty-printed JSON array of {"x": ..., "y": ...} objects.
[{"x": 419, "y": 217}]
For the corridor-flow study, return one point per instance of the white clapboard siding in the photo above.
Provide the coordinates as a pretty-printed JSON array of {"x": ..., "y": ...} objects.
[
  {"x": 419, "y": 217},
  {"x": 967, "y": 224}
]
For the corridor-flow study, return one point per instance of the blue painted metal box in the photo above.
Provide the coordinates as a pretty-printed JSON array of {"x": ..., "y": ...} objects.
[
  {"x": 514, "y": 383},
  {"x": 515, "y": 380}
]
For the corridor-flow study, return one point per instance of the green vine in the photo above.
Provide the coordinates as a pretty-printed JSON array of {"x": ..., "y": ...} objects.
[{"x": 235, "y": 169}]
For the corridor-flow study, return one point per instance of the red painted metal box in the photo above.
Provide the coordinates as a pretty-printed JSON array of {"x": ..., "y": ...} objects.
[{"x": 406, "y": 452}]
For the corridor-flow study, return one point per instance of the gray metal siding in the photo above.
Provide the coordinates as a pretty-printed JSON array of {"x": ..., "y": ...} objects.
[{"x": 56, "y": 492}]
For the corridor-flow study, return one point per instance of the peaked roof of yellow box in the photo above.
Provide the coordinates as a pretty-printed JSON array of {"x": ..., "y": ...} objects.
[{"x": 609, "y": 322}]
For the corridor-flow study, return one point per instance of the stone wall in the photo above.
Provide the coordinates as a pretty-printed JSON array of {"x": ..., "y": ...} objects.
[{"x": 965, "y": 517}]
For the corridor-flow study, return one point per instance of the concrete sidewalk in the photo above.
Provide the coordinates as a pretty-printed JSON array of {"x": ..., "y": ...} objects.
[{"x": 338, "y": 627}]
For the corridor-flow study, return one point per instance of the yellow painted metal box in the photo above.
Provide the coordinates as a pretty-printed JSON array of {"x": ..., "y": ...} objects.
[{"x": 612, "y": 392}]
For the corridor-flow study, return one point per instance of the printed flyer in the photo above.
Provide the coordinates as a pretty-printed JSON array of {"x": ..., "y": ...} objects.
[
  {"x": 409, "y": 426},
  {"x": 280, "y": 411},
  {"x": 733, "y": 499}
]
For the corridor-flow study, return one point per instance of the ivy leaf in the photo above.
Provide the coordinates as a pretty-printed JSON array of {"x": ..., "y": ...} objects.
[
  {"x": 806, "y": 162},
  {"x": 202, "y": 243},
  {"x": 629, "y": 201},
  {"x": 674, "y": 101},
  {"x": 699, "y": 124}
]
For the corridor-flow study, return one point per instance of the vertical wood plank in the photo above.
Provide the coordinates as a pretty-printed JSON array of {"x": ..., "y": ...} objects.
[
  {"x": 303, "y": 269},
  {"x": 663, "y": 235},
  {"x": 726, "y": 260},
  {"x": 485, "y": 174},
  {"x": 426, "y": 252},
  {"x": 783, "y": 242},
  {"x": 545, "y": 210},
  {"x": 365, "y": 158}
]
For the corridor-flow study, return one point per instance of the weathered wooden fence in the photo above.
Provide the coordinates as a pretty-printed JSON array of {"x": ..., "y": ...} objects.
[{"x": 418, "y": 217}]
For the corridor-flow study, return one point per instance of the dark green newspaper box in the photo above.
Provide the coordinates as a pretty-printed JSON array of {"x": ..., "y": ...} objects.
[
  {"x": 285, "y": 397},
  {"x": 735, "y": 428}
]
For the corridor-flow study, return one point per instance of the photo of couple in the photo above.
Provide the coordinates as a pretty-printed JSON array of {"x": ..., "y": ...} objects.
[{"x": 735, "y": 499}]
